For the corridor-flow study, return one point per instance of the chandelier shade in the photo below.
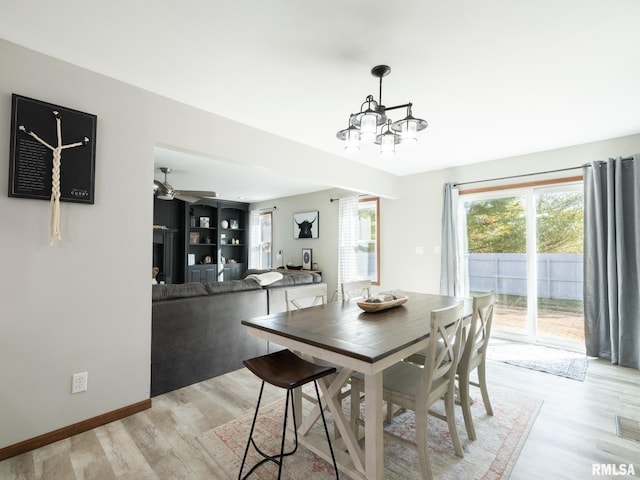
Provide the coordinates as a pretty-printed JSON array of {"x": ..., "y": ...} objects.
[{"x": 372, "y": 125}]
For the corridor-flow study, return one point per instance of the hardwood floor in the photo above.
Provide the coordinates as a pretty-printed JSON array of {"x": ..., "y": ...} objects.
[{"x": 575, "y": 429}]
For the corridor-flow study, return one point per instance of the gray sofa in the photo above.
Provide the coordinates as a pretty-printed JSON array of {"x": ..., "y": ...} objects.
[{"x": 196, "y": 332}]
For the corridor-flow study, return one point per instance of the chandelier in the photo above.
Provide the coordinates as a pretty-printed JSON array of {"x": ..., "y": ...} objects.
[{"x": 371, "y": 124}]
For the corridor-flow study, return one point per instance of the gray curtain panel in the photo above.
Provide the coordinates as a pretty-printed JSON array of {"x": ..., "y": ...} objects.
[
  {"x": 450, "y": 262},
  {"x": 612, "y": 260}
]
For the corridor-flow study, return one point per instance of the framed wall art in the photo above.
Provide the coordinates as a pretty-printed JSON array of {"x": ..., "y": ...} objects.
[
  {"x": 305, "y": 225},
  {"x": 307, "y": 258},
  {"x": 194, "y": 238},
  {"x": 52, "y": 151}
]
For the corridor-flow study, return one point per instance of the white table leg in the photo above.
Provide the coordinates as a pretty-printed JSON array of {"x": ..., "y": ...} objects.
[{"x": 373, "y": 428}]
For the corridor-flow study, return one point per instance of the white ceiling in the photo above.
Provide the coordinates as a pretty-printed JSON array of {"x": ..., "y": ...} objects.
[{"x": 494, "y": 78}]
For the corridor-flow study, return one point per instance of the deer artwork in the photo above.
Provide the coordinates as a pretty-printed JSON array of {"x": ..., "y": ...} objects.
[
  {"x": 55, "y": 174},
  {"x": 305, "y": 228}
]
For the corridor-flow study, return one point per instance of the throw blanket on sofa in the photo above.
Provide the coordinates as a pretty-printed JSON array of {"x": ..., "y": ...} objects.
[{"x": 266, "y": 278}]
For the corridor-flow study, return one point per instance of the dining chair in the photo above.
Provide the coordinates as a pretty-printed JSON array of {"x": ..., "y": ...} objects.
[
  {"x": 284, "y": 369},
  {"x": 303, "y": 297},
  {"x": 418, "y": 388},
  {"x": 356, "y": 289},
  {"x": 473, "y": 357}
]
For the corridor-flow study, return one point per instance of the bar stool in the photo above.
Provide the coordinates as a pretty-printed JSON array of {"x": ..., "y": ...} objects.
[{"x": 286, "y": 370}]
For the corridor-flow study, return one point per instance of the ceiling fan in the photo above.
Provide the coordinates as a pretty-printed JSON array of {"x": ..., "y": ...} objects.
[{"x": 164, "y": 190}]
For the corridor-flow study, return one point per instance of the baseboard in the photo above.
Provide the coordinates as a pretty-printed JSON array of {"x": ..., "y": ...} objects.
[{"x": 66, "y": 432}]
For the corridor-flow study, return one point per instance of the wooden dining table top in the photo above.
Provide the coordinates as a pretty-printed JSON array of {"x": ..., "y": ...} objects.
[{"x": 344, "y": 328}]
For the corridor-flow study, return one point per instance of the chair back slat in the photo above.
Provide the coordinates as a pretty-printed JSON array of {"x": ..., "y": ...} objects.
[
  {"x": 444, "y": 345},
  {"x": 303, "y": 297},
  {"x": 356, "y": 289},
  {"x": 479, "y": 331}
]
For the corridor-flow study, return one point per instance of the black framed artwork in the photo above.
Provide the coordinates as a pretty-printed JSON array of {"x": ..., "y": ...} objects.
[
  {"x": 53, "y": 148},
  {"x": 306, "y": 225},
  {"x": 307, "y": 258}
]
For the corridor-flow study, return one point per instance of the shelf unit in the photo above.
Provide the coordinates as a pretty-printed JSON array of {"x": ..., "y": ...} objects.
[
  {"x": 211, "y": 242},
  {"x": 233, "y": 221},
  {"x": 201, "y": 238}
]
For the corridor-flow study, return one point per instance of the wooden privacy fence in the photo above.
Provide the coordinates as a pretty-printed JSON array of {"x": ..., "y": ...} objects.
[{"x": 560, "y": 275}]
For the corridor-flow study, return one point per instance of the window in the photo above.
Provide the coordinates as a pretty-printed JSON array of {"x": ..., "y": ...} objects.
[
  {"x": 368, "y": 248},
  {"x": 261, "y": 240}
]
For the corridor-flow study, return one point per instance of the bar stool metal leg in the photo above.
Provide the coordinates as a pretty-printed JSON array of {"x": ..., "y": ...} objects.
[
  {"x": 270, "y": 458},
  {"x": 285, "y": 370},
  {"x": 278, "y": 459}
]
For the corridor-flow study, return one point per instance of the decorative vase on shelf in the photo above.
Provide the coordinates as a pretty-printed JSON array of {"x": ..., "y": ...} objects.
[{"x": 224, "y": 224}]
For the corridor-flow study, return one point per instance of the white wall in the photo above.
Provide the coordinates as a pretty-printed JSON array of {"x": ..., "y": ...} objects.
[{"x": 84, "y": 304}]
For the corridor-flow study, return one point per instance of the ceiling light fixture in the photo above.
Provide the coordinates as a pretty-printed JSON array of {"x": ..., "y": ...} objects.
[{"x": 363, "y": 126}]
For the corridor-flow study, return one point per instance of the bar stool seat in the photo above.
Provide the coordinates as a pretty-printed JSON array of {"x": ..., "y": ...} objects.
[{"x": 286, "y": 370}]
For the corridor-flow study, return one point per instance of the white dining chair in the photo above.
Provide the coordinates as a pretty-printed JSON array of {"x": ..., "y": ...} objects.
[
  {"x": 473, "y": 357},
  {"x": 303, "y": 297},
  {"x": 355, "y": 289},
  {"x": 418, "y": 388}
]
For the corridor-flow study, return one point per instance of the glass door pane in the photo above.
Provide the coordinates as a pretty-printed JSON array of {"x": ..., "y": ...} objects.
[
  {"x": 559, "y": 239},
  {"x": 496, "y": 257}
]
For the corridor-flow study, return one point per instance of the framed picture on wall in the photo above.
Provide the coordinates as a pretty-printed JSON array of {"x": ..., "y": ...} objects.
[
  {"x": 307, "y": 258},
  {"x": 305, "y": 225},
  {"x": 41, "y": 132}
]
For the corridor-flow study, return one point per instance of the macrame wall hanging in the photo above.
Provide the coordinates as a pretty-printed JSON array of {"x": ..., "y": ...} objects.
[{"x": 37, "y": 169}]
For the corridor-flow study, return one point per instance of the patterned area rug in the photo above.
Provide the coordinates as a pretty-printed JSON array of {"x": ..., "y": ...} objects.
[
  {"x": 492, "y": 456},
  {"x": 536, "y": 357}
]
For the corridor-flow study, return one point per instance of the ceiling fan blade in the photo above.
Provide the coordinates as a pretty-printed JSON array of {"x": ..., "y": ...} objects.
[
  {"x": 197, "y": 193},
  {"x": 187, "y": 198}
]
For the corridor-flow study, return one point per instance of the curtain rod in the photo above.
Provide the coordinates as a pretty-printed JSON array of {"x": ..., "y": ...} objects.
[
  {"x": 520, "y": 176},
  {"x": 336, "y": 199},
  {"x": 535, "y": 173}
]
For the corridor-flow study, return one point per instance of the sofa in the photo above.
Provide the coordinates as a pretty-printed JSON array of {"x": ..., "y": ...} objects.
[{"x": 196, "y": 330}]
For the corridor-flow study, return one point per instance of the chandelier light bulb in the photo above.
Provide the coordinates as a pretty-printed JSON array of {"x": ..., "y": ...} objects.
[
  {"x": 387, "y": 146},
  {"x": 368, "y": 125},
  {"x": 352, "y": 139},
  {"x": 409, "y": 134}
]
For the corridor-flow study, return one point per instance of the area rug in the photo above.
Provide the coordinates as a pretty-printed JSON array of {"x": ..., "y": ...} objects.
[
  {"x": 492, "y": 456},
  {"x": 537, "y": 357}
]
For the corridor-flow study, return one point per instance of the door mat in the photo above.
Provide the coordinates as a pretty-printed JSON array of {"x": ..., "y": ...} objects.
[{"x": 537, "y": 357}]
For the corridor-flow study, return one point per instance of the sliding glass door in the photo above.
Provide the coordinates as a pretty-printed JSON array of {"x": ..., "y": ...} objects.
[{"x": 526, "y": 245}]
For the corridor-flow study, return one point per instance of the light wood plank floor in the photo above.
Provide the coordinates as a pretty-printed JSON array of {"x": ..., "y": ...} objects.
[{"x": 575, "y": 429}]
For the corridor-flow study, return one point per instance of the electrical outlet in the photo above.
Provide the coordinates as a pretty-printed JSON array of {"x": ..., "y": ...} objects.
[{"x": 79, "y": 382}]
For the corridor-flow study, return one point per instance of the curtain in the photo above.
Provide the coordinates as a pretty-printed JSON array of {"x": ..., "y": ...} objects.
[
  {"x": 612, "y": 260},
  {"x": 348, "y": 235},
  {"x": 254, "y": 239},
  {"x": 451, "y": 282}
]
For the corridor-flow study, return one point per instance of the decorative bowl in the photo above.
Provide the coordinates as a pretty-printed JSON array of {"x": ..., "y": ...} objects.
[{"x": 378, "y": 306}]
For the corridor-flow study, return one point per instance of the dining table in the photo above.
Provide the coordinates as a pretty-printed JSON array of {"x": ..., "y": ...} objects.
[{"x": 354, "y": 340}]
